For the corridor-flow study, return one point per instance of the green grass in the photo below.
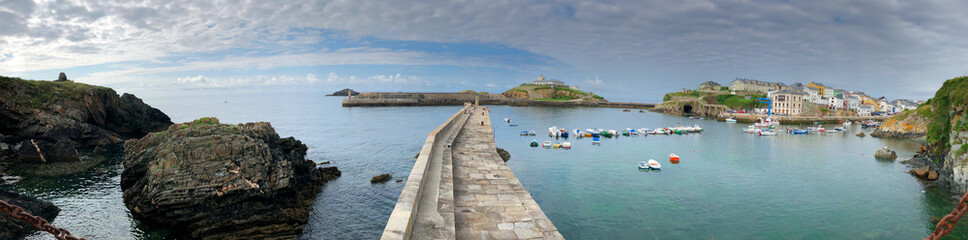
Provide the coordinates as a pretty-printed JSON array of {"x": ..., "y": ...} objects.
[
  {"x": 693, "y": 93},
  {"x": 553, "y": 99},
  {"x": 541, "y": 87},
  {"x": 954, "y": 92},
  {"x": 40, "y": 94},
  {"x": 740, "y": 102},
  {"x": 520, "y": 90},
  {"x": 597, "y": 97}
]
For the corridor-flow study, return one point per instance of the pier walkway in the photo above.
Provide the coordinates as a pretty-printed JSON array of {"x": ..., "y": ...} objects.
[{"x": 460, "y": 188}]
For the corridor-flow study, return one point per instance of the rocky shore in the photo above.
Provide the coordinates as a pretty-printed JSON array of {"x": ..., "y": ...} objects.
[
  {"x": 11, "y": 228},
  {"x": 48, "y": 121},
  {"x": 946, "y": 148},
  {"x": 912, "y": 124},
  {"x": 220, "y": 181}
]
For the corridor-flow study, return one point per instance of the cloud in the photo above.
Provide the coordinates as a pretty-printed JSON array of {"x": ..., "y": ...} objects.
[{"x": 594, "y": 82}]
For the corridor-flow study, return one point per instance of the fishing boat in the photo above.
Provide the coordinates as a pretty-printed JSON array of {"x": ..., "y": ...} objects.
[
  {"x": 513, "y": 124},
  {"x": 696, "y": 128},
  {"x": 799, "y": 131},
  {"x": 531, "y": 133},
  {"x": 626, "y": 133},
  {"x": 524, "y": 133},
  {"x": 563, "y": 134},
  {"x": 653, "y": 164},
  {"x": 767, "y": 133},
  {"x": 546, "y": 144},
  {"x": 673, "y": 157},
  {"x": 766, "y": 123},
  {"x": 731, "y": 119},
  {"x": 566, "y": 145},
  {"x": 643, "y": 165},
  {"x": 750, "y": 129},
  {"x": 534, "y": 143}
]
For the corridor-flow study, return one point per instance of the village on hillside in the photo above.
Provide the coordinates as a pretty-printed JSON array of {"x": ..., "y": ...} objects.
[{"x": 812, "y": 99}]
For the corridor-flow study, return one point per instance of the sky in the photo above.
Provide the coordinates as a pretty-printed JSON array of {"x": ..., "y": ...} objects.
[{"x": 626, "y": 50}]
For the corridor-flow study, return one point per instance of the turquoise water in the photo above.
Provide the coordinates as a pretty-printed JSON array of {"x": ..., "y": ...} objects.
[{"x": 728, "y": 185}]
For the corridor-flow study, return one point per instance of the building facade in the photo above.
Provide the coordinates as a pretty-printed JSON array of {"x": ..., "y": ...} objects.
[
  {"x": 750, "y": 85},
  {"x": 787, "y": 102}
]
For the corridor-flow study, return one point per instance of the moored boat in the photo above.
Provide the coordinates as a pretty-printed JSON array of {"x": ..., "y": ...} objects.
[
  {"x": 524, "y": 133},
  {"x": 566, "y": 145},
  {"x": 643, "y": 165},
  {"x": 546, "y": 144},
  {"x": 534, "y": 143},
  {"x": 673, "y": 157},
  {"x": 731, "y": 119},
  {"x": 653, "y": 164},
  {"x": 767, "y": 133}
]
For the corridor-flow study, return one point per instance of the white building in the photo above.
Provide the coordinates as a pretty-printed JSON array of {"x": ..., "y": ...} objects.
[
  {"x": 835, "y": 102},
  {"x": 864, "y": 111},
  {"x": 787, "y": 102},
  {"x": 852, "y": 102},
  {"x": 813, "y": 95}
]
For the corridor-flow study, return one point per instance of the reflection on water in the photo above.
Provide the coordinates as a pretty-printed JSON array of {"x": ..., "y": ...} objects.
[{"x": 728, "y": 185}]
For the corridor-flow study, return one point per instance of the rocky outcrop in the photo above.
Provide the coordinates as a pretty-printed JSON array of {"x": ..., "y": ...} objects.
[
  {"x": 910, "y": 124},
  {"x": 885, "y": 153},
  {"x": 345, "y": 92},
  {"x": 504, "y": 154},
  {"x": 219, "y": 181},
  {"x": 11, "y": 228},
  {"x": 44, "y": 121},
  {"x": 861, "y": 134},
  {"x": 382, "y": 178}
]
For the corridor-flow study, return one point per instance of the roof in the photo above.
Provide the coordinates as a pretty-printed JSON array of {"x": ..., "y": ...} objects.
[
  {"x": 789, "y": 92},
  {"x": 709, "y": 83}
]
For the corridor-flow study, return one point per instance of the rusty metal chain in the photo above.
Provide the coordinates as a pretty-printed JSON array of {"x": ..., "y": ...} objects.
[
  {"x": 38, "y": 222},
  {"x": 948, "y": 223}
]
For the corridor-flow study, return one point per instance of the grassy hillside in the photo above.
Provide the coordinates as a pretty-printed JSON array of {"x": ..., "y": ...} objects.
[
  {"x": 547, "y": 93},
  {"x": 23, "y": 91},
  {"x": 948, "y": 113},
  {"x": 732, "y": 101}
]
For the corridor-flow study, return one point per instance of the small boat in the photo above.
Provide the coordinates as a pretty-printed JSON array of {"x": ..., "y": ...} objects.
[
  {"x": 750, "y": 129},
  {"x": 534, "y": 143},
  {"x": 800, "y": 131},
  {"x": 564, "y": 134},
  {"x": 626, "y": 133},
  {"x": 731, "y": 120},
  {"x": 513, "y": 124},
  {"x": 673, "y": 157},
  {"x": 653, "y": 164},
  {"x": 556, "y": 145},
  {"x": 847, "y": 123},
  {"x": 643, "y": 165},
  {"x": 524, "y": 133},
  {"x": 531, "y": 133},
  {"x": 641, "y": 111},
  {"x": 507, "y": 120},
  {"x": 566, "y": 145},
  {"x": 596, "y": 140},
  {"x": 626, "y": 110},
  {"x": 767, "y": 133},
  {"x": 546, "y": 144},
  {"x": 696, "y": 128}
]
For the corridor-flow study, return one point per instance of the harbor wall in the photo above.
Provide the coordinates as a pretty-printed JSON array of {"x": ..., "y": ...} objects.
[
  {"x": 420, "y": 182},
  {"x": 378, "y": 99}
]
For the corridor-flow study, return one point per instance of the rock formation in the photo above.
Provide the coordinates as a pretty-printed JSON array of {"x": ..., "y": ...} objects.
[
  {"x": 861, "y": 135},
  {"x": 382, "y": 178},
  {"x": 345, "y": 92},
  {"x": 885, "y": 153},
  {"x": 504, "y": 154},
  {"x": 910, "y": 124},
  {"x": 11, "y": 228},
  {"x": 43, "y": 121},
  {"x": 219, "y": 181}
]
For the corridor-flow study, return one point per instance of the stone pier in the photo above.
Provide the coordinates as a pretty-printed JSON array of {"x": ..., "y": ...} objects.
[{"x": 461, "y": 189}]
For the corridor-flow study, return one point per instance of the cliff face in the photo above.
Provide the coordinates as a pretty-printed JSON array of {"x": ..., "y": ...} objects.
[
  {"x": 947, "y": 135},
  {"x": 220, "y": 181},
  {"x": 909, "y": 124},
  {"x": 44, "y": 121}
]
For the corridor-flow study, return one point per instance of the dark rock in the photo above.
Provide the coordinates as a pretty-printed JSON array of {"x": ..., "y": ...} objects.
[
  {"x": 504, "y": 154},
  {"x": 382, "y": 178},
  {"x": 11, "y": 228},
  {"x": 861, "y": 134},
  {"x": 80, "y": 114},
  {"x": 894, "y": 134},
  {"x": 345, "y": 92},
  {"x": 323, "y": 163},
  {"x": 62, "y": 151},
  {"x": 62, "y": 77},
  {"x": 220, "y": 181},
  {"x": 399, "y": 180},
  {"x": 885, "y": 153}
]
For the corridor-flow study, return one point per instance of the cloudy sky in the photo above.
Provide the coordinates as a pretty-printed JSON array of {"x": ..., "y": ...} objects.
[{"x": 634, "y": 50}]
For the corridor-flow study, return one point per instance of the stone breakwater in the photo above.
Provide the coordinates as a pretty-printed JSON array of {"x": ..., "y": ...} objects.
[
  {"x": 374, "y": 99},
  {"x": 220, "y": 181}
]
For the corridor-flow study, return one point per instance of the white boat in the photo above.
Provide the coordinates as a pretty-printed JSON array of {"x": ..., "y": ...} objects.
[
  {"x": 589, "y": 130},
  {"x": 765, "y": 123},
  {"x": 750, "y": 129},
  {"x": 653, "y": 164},
  {"x": 767, "y": 133},
  {"x": 731, "y": 120},
  {"x": 847, "y": 123},
  {"x": 531, "y": 133},
  {"x": 507, "y": 120},
  {"x": 696, "y": 128},
  {"x": 553, "y": 132},
  {"x": 566, "y": 145},
  {"x": 643, "y": 165},
  {"x": 546, "y": 144}
]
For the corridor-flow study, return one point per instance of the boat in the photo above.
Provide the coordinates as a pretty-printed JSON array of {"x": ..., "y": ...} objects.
[
  {"x": 641, "y": 111},
  {"x": 513, "y": 124},
  {"x": 696, "y": 128},
  {"x": 534, "y": 143},
  {"x": 578, "y": 133},
  {"x": 766, "y": 123},
  {"x": 731, "y": 120},
  {"x": 553, "y": 132},
  {"x": 840, "y": 129},
  {"x": 507, "y": 120},
  {"x": 673, "y": 157},
  {"x": 563, "y": 134},
  {"x": 653, "y": 164},
  {"x": 531, "y": 133},
  {"x": 556, "y": 145},
  {"x": 546, "y": 144},
  {"x": 626, "y": 133},
  {"x": 626, "y": 110},
  {"x": 750, "y": 129},
  {"x": 767, "y": 133},
  {"x": 643, "y": 165},
  {"x": 847, "y": 123},
  {"x": 524, "y": 133},
  {"x": 596, "y": 140},
  {"x": 566, "y": 145},
  {"x": 800, "y": 131}
]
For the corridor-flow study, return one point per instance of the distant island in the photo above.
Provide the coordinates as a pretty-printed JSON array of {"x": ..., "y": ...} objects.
[
  {"x": 540, "y": 92},
  {"x": 345, "y": 92}
]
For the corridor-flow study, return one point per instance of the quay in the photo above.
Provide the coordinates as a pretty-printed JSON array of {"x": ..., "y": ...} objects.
[
  {"x": 796, "y": 120},
  {"x": 460, "y": 188}
]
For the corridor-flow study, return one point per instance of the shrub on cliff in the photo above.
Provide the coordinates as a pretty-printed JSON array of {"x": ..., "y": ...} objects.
[{"x": 952, "y": 96}]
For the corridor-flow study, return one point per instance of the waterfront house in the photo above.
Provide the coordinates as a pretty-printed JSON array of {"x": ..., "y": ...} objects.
[
  {"x": 750, "y": 85},
  {"x": 835, "y": 102},
  {"x": 852, "y": 102},
  {"x": 813, "y": 95},
  {"x": 864, "y": 111},
  {"x": 821, "y": 89},
  {"x": 710, "y": 85},
  {"x": 552, "y": 83},
  {"x": 787, "y": 102}
]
